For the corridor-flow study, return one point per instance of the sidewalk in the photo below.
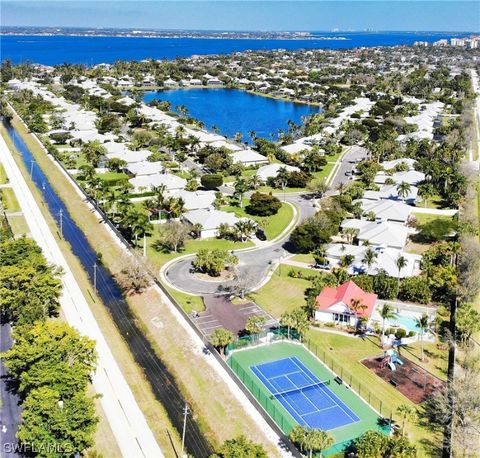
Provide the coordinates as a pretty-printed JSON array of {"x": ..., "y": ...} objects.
[{"x": 133, "y": 435}]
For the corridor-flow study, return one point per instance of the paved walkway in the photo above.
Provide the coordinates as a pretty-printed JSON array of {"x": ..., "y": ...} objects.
[{"x": 133, "y": 435}]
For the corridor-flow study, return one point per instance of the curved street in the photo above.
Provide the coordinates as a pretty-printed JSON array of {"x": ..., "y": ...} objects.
[{"x": 255, "y": 263}]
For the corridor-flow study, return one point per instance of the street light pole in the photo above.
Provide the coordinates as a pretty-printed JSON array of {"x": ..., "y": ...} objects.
[{"x": 95, "y": 276}]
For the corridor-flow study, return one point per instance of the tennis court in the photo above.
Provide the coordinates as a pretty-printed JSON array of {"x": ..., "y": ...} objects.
[
  {"x": 304, "y": 396},
  {"x": 294, "y": 387}
]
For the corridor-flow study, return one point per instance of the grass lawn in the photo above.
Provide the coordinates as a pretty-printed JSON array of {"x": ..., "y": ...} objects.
[
  {"x": 18, "y": 224},
  {"x": 282, "y": 293},
  {"x": 272, "y": 225},
  {"x": 191, "y": 246},
  {"x": 3, "y": 175},
  {"x": 116, "y": 177},
  {"x": 308, "y": 258},
  {"x": 188, "y": 302},
  {"x": 9, "y": 200},
  {"x": 347, "y": 352},
  {"x": 423, "y": 218}
]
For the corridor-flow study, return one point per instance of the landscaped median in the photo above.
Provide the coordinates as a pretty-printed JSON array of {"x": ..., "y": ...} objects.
[{"x": 200, "y": 378}]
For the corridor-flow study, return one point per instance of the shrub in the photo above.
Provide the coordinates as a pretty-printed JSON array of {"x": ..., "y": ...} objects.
[
  {"x": 400, "y": 333},
  {"x": 263, "y": 205},
  {"x": 211, "y": 181},
  {"x": 298, "y": 179},
  {"x": 415, "y": 289}
]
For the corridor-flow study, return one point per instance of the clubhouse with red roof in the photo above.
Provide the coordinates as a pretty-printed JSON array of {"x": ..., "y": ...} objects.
[{"x": 344, "y": 304}]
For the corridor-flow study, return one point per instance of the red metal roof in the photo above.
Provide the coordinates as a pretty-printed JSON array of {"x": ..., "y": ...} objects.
[{"x": 346, "y": 293}]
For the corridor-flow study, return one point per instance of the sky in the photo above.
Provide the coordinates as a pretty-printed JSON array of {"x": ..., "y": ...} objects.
[{"x": 411, "y": 15}]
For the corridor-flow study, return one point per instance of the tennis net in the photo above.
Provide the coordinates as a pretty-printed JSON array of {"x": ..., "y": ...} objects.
[{"x": 299, "y": 389}]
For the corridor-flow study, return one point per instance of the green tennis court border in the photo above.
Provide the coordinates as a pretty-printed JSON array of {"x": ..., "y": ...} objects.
[{"x": 241, "y": 361}]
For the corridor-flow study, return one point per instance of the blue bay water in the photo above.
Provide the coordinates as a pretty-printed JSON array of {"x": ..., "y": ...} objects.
[
  {"x": 233, "y": 110},
  {"x": 53, "y": 50}
]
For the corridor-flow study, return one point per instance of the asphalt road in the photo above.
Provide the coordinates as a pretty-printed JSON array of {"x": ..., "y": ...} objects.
[
  {"x": 10, "y": 412},
  {"x": 253, "y": 264},
  {"x": 347, "y": 164}
]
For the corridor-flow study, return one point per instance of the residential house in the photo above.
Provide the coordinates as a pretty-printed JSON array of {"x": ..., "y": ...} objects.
[
  {"x": 248, "y": 157},
  {"x": 385, "y": 260},
  {"x": 271, "y": 170},
  {"x": 146, "y": 183},
  {"x": 210, "y": 220},
  {"x": 379, "y": 233},
  {"x": 333, "y": 305},
  {"x": 386, "y": 210}
]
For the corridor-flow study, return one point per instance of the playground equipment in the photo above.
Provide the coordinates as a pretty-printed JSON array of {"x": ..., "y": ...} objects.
[{"x": 390, "y": 358}]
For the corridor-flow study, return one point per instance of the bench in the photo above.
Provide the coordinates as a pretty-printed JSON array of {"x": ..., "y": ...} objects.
[
  {"x": 393, "y": 382},
  {"x": 338, "y": 380}
]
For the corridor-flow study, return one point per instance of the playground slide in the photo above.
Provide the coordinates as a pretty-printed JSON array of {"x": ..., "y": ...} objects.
[
  {"x": 399, "y": 361},
  {"x": 392, "y": 366}
]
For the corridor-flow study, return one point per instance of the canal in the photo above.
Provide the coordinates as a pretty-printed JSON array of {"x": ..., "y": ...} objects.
[{"x": 161, "y": 380}]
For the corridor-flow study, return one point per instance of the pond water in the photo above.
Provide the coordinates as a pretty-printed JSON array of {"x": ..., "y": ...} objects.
[{"x": 234, "y": 110}]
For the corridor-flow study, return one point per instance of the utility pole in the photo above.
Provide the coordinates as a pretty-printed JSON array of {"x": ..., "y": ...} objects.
[
  {"x": 144, "y": 245},
  {"x": 60, "y": 213},
  {"x": 186, "y": 411},
  {"x": 95, "y": 276}
]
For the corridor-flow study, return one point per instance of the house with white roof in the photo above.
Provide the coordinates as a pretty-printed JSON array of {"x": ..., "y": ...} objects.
[
  {"x": 210, "y": 220},
  {"x": 379, "y": 233},
  {"x": 386, "y": 209},
  {"x": 271, "y": 170},
  {"x": 391, "y": 192},
  {"x": 130, "y": 156},
  {"x": 146, "y": 183},
  {"x": 296, "y": 148},
  {"x": 195, "y": 200},
  {"x": 388, "y": 165},
  {"x": 144, "y": 168},
  {"x": 412, "y": 177},
  {"x": 224, "y": 144},
  {"x": 386, "y": 260},
  {"x": 248, "y": 157}
]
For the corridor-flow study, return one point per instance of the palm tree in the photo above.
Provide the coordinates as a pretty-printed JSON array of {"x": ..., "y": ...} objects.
[
  {"x": 422, "y": 324},
  {"x": 401, "y": 262},
  {"x": 287, "y": 320},
  {"x": 387, "y": 313},
  {"x": 245, "y": 228},
  {"x": 318, "y": 440},
  {"x": 241, "y": 187},
  {"x": 350, "y": 234},
  {"x": 255, "y": 182},
  {"x": 405, "y": 412},
  {"x": 403, "y": 189},
  {"x": 282, "y": 177},
  {"x": 197, "y": 229},
  {"x": 357, "y": 306},
  {"x": 347, "y": 260},
  {"x": 369, "y": 257}
]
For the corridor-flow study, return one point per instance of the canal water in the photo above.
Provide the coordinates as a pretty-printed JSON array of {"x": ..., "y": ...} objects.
[
  {"x": 161, "y": 381},
  {"x": 235, "y": 110}
]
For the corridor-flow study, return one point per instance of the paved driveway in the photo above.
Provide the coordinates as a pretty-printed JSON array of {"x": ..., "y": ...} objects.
[{"x": 221, "y": 313}]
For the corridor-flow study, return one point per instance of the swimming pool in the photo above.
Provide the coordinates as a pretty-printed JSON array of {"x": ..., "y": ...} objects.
[{"x": 407, "y": 322}]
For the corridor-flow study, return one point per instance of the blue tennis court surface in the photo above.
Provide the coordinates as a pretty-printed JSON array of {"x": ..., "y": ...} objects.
[{"x": 306, "y": 398}]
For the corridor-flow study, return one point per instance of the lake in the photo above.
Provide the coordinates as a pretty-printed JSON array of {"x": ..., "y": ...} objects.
[
  {"x": 234, "y": 110},
  {"x": 58, "y": 49}
]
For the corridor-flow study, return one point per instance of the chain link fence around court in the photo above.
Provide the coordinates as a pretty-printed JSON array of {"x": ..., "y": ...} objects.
[
  {"x": 284, "y": 422},
  {"x": 283, "y": 334},
  {"x": 349, "y": 379}
]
